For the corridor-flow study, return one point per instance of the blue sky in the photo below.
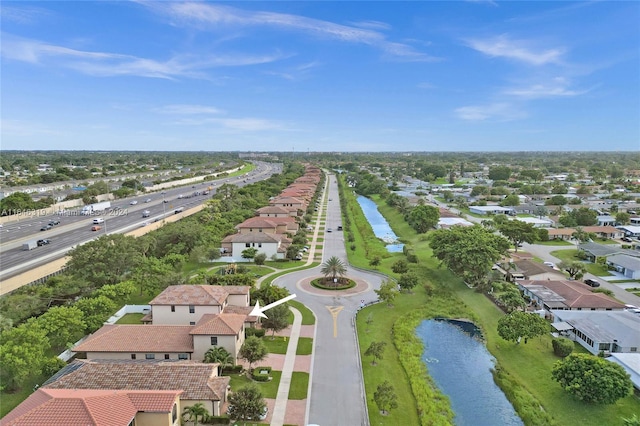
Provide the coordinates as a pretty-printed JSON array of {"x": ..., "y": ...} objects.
[{"x": 321, "y": 76}]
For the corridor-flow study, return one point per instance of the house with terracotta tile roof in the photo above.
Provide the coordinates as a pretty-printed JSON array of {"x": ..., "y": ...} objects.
[
  {"x": 97, "y": 407},
  {"x": 198, "y": 382},
  {"x": 262, "y": 225},
  {"x": 288, "y": 202},
  {"x": 273, "y": 245},
  {"x": 566, "y": 295},
  {"x": 276, "y": 211},
  {"x": 186, "y": 304}
]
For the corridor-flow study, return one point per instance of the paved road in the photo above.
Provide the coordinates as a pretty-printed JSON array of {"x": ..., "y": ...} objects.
[{"x": 337, "y": 394}]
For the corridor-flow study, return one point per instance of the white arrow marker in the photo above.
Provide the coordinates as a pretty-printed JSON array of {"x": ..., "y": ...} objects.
[{"x": 259, "y": 312}]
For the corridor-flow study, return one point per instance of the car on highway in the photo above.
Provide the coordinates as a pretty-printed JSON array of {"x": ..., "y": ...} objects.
[
  {"x": 46, "y": 227},
  {"x": 43, "y": 242},
  {"x": 148, "y": 200},
  {"x": 143, "y": 224},
  {"x": 133, "y": 203},
  {"x": 96, "y": 228},
  {"x": 54, "y": 222},
  {"x": 146, "y": 213},
  {"x": 591, "y": 283}
]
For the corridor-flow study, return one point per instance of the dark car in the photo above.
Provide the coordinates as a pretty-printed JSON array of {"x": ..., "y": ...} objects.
[
  {"x": 43, "y": 242},
  {"x": 627, "y": 239},
  {"x": 46, "y": 228},
  {"x": 591, "y": 283},
  {"x": 54, "y": 222}
]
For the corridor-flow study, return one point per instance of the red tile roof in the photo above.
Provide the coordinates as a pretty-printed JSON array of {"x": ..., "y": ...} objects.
[
  {"x": 139, "y": 338},
  {"x": 72, "y": 407},
  {"x": 576, "y": 294},
  {"x": 223, "y": 324},
  {"x": 200, "y": 295},
  {"x": 198, "y": 381}
]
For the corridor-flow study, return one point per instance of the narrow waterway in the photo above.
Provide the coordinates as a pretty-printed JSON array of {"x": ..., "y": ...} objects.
[
  {"x": 460, "y": 365},
  {"x": 379, "y": 224}
]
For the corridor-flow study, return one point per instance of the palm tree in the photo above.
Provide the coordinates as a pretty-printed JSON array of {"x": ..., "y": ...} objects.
[
  {"x": 194, "y": 411},
  {"x": 333, "y": 267},
  {"x": 220, "y": 355}
]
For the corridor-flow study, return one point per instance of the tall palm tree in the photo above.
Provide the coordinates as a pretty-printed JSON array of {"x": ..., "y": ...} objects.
[
  {"x": 333, "y": 267},
  {"x": 220, "y": 355}
]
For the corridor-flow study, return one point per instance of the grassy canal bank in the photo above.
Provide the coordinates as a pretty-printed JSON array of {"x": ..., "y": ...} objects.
[{"x": 523, "y": 371}]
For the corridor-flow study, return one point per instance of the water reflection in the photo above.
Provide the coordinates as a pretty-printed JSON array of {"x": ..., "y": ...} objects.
[
  {"x": 460, "y": 365},
  {"x": 379, "y": 224}
]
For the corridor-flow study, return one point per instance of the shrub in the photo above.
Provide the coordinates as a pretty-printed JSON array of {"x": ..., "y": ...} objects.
[
  {"x": 258, "y": 332},
  {"x": 216, "y": 420},
  {"x": 235, "y": 369},
  {"x": 562, "y": 347},
  {"x": 261, "y": 374}
]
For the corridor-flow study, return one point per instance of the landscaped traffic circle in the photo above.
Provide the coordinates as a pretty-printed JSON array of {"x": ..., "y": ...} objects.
[{"x": 336, "y": 284}]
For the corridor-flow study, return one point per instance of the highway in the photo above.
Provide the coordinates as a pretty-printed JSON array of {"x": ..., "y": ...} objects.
[{"x": 75, "y": 229}]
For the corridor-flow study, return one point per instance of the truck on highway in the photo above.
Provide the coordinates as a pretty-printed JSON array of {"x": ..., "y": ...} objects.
[
  {"x": 96, "y": 208},
  {"x": 30, "y": 245}
]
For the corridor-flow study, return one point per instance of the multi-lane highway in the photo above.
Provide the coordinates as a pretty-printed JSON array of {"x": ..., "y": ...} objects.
[{"x": 75, "y": 229}]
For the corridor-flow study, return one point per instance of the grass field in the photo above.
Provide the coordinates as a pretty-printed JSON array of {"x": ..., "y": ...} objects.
[
  {"x": 571, "y": 255},
  {"x": 130, "y": 319}
]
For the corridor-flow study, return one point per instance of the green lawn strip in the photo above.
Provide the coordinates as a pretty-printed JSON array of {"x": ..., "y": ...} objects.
[
  {"x": 130, "y": 319},
  {"x": 554, "y": 242},
  {"x": 307, "y": 316},
  {"x": 276, "y": 344},
  {"x": 299, "y": 385},
  {"x": 300, "y": 265},
  {"x": 305, "y": 346},
  {"x": 269, "y": 389}
]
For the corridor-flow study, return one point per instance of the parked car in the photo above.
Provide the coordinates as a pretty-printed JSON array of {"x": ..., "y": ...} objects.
[
  {"x": 591, "y": 283},
  {"x": 627, "y": 239},
  {"x": 43, "y": 242}
]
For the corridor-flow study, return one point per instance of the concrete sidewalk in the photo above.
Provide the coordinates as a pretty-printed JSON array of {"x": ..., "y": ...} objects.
[{"x": 282, "y": 397}]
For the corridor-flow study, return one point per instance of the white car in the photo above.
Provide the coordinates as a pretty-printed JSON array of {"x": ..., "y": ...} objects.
[{"x": 133, "y": 203}]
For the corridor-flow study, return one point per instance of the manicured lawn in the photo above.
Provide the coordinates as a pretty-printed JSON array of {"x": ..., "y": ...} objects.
[
  {"x": 276, "y": 345},
  {"x": 305, "y": 346},
  {"x": 554, "y": 243},
  {"x": 269, "y": 389},
  {"x": 130, "y": 319},
  {"x": 307, "y": 316},
  {"x": 299, "y": 385},
  {"x": 571, "y": 255}
]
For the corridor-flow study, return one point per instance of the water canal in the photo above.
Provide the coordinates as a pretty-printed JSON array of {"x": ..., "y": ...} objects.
[
  {"x": 381, "y": 228},
  {"x": 460, "y": 365}
]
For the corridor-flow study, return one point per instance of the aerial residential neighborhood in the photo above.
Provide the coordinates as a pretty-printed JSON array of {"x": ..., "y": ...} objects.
[{"x": 349, "y": 213}]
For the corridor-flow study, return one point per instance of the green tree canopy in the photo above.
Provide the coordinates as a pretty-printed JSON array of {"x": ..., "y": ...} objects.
[
  {"x": 387, "y": 292},
  {"x": 253, "y": 350},
  {"x": 277, "y": 319},
  {"x": 592, "y": 379},
  {"x": 423, "y": 218},
  {"x": 385, "y": 397},
  {"x": 376, "y": 351},
  {"x": 518, "y": 232},
  {"x": 520, "y": 324},
  {"x": 469, "y": 251},
  {"x": 246, "y": 403}
]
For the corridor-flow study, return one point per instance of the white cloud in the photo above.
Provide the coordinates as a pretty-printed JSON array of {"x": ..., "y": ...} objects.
[
  {"x": 520, "y": 50},
  {"x": 499, "y": 111},
  {"x": 205, "y": 15},
  {"x": 558, "y": 87},
  {"x": 182, "y": 109},
  {"x": 114, "y": 64}
]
